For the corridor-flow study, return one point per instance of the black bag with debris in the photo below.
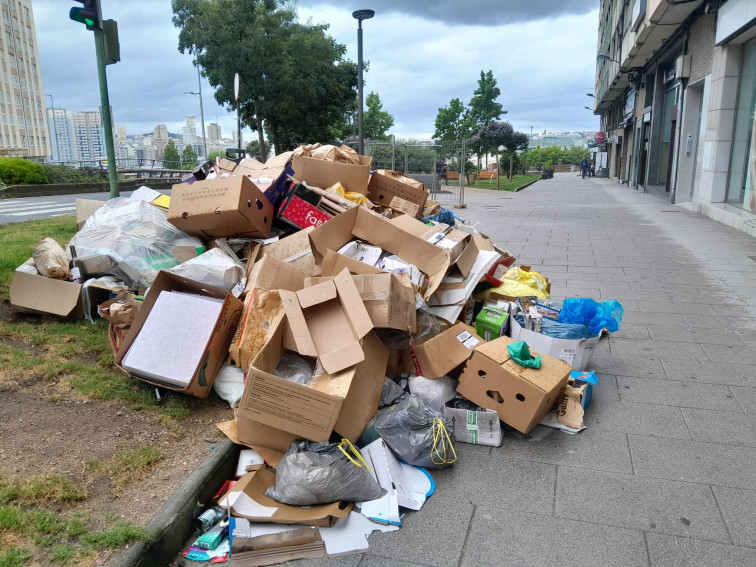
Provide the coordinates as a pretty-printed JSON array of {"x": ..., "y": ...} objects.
[
  {"x": 320, "y": 473},
  {"x": 416, "y": 433}
]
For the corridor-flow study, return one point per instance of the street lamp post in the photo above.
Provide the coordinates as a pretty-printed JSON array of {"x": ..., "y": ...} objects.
[
  {"x": 55, "y": 129},
  {"x": 605, "y": 57},
  {"x": 360, "y": 15},
  {"x": 202, "y": 112}
]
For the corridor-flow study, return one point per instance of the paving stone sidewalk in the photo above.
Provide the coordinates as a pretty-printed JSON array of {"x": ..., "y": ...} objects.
[{"x": 665, "y": 474}]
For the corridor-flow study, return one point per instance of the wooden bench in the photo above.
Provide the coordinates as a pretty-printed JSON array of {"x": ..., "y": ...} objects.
[
  {"x": 453, "y": 175},
  {"x": 487, "y": 175}
]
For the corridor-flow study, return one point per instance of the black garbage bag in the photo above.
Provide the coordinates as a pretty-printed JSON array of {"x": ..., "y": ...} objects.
[{"x": 319, "y": 473}]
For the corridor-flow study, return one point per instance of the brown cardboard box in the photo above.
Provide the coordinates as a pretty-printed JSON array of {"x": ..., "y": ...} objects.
[
  {"x": 226, "y": 165},
  {"x": 271, "y": 273},
  {"x": 217, "y": 346},
  {"x": 263, "y": 438},
  {"x": 343, "y": 402},
  {"x": 443, "y": 353},
  {"x": 388, "y": 298},
  {"x": 521, "y": 396},
  {"x": 323, "y": 174},
  {"x": 295, "y": 250},
  {"x": 461, "y": 245},
  {"x": 398, "y": 192},
  {"x": 31, "y": 293},
  {"x": 364, "y": 225},
  {"x": 327, "y": 321},
  {"x": 231, "y": 206},
  {"x": 84, "y": 210}
]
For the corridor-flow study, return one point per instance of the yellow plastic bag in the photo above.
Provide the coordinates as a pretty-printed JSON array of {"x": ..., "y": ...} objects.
[
  {"x": 519, "y": 283},
  {"x": 352, "y": 196}
]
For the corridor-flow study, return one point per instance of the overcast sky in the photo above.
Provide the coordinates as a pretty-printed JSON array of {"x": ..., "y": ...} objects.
[{"x": 422, "y": 53}]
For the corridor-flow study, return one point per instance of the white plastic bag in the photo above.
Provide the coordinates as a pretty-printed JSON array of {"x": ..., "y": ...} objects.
[
  {"x": 436, "y": 392},
  {"x": 214, "y": 267},
  {"x": 229, "y": 384}
]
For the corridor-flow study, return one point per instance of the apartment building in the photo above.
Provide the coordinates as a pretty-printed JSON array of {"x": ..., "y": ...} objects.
[
  {"x": 676, "y": 93},
  {"x": 24, "y": 129}
]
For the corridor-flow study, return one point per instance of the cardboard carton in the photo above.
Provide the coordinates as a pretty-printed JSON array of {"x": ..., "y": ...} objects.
[
  {"x": 442, "y": 354},
  {"x": 230, "y": 206},
  {"x": 343, "y": 402},
  {"x": 388, "y": 298},
  {"x": 84, "y": 209},
  {"x": 475, "y": 427},
  {"x": 299, "y": 208},
  {"x": 575, "y": 352},
  {"x": 271, "y": 273},
  {"x": 322, "y": 173},
  {"x": 216, "y": 349},
  {"x": 33, "y": 293},
  {"x": 398, "y": 192},
  {"x": 362, "y": 224},
  {"x": 520, "y": 396},
  {"x": 295, "y": 250},
  {"x": 327, "y": 321},
  {"x": 270, "y": 442},
  {"x": 492, "y": 323}
]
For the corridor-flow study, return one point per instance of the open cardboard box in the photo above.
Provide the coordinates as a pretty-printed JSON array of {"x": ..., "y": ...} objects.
[
  {"x": 575, "y": 352},
  {"x": 362, "y": 224},
  {"x": 230, "y": 206},
  {"x": 343, "y": 401},
  {"x": 443, "y": 353},
  {"x": 295, "y": 250},
  {"x": 216, "y": 350},
  {"x": 323, "y": 173},
  {"x": 520, "y": 396},
  {"x": 398, "y": 192}
]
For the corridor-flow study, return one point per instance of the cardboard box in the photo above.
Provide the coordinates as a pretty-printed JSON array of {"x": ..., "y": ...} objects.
[
  {"x": 520, "y": 396},
  {"x": 263, "y": 438},
  {"x": 300, "y": 208},
  {"x": 271, "y": 273},
  {"x": 323, "y": 174},
  {"x": 84, "y": 209},
  {"x": 575, "y": 352},
  {"x": 398, "y": 192},
  {"x": 295, "y": 250},
  {"x": 443, "y": 353},
  {"x": 362, "y": 224},
  {"x": 33, "y": 293},
  {"x": 492, "y": 323},
  {"x": 475, "y": 427},
  {"x": 328, "y": 320},
  {"x": 216, "y": 349},
  {"x": 230, "y": 206},
  {"x": 343, "y": 402},
  {"x": 389, "y": 299}
]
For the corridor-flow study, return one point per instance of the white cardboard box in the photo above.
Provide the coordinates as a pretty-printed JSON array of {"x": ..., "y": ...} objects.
[{"x": 575, "y": 352}]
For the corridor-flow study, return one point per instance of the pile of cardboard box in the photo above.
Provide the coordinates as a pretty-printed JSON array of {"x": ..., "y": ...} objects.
[{"x": 341, "y": 272}]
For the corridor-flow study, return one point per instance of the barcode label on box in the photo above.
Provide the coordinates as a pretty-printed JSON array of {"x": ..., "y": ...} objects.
[
  {"x": 568, "y": 355},
  {"x": 467, "y": 339}
]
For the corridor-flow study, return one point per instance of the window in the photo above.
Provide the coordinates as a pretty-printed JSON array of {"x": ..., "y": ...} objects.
[
  {"x": 14, "y": 79},
  {"x": 26, "y": 12},
  {"x": 21, "y": 121},
  {"x": 6, "y": 19},
  {"x": 18, "y": 101},
  {"x": 8, "y": 39},
  {"x": 5, "y": 119},
  {"x": 2, "y": 98},
  {"x": 13, "y": 62}
]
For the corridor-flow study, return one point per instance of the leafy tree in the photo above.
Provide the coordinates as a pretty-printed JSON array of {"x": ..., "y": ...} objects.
[
  {"x": 483, "y": 105},
  {"x": 253, "y": 150},
  {"x": 294, "y": 80},
  {"x": 495, "y": 137},
  {"x": 375, "y": 121},
  {"x": 188, "y": 158},
  {"x": 171, "y": 158},
  {"x": 216, "y": 154}
]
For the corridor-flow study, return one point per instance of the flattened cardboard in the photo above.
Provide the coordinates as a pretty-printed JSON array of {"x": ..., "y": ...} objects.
[
  {"x": 247, "y": 500},
  {"x": 270, "y": 442},
  {"x": 250, "y": 550},
  {"x": 388, "y": 298},
  {"x": 229, "y": 206},
  {"x": 520, "y": 396},
  {"x": 217, "y": 348},
  {"x": 328, "y": 320},
  {"x": 398, "y": 192},
  {"x": 343, "y": 402},
  {"x": 295, "y": 250},
  {"x": 84, "y": 209},
  {"x": 323, "y": 174},
  {"x": 475, "y": 427},
  {"x": 443, "y": 353},
  {"x": 575, "y": 352},
  {"x": 364, "y": 225},
  {"x": 271, "y": 273}
]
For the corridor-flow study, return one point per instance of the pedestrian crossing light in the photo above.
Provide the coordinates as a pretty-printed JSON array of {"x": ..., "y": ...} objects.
[{"x": 88, "y": 14}]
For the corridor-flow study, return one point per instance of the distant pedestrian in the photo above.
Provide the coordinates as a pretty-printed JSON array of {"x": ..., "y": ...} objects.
[{"x": 584, "y": 167}]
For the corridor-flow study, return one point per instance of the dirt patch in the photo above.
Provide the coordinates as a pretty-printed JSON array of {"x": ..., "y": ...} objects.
[{"x": 46, "y": 427}]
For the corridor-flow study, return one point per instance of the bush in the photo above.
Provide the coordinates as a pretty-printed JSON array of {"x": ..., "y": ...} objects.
[
  {"x": 17, "y": 171},
  {"x": 68, "y": 174}
]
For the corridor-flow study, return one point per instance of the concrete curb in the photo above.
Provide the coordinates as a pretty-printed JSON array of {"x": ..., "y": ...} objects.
[
  {"x": 173, "y": 524},
  {"x": 20, "y": 191}
]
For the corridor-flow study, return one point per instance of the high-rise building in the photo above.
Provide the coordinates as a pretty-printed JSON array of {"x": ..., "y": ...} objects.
[
  {"x": 90, "y": 135},
  {"x": 189, "y": 132},
  {"x": 24, "y": 130},
  {"x": 63, "y": 147},
  {"x": 160, "y": 139},
  {"x": 213, "y": 132},
  {"x": 120, "y": 132}
]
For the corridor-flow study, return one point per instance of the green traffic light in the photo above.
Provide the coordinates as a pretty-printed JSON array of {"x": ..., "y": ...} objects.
[{"x": 82, "y": 16}]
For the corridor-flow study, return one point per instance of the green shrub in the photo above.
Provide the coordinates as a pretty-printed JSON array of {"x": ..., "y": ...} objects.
[
  {"x": 16, "y": 171},
  {"x": 68, "y": 174}
]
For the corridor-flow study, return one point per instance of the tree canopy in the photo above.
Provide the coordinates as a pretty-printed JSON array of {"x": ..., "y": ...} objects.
[
  {"x": 294, "y": 80},
  {"x": 188, "y": 158},
  {"x": 497, "y": 137},
  {"x": 483, "y": 105},
  {"x": 171, "y": 158},
  {"x": 375, "y": 120}
]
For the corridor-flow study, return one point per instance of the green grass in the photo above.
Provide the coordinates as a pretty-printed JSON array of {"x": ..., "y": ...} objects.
[
  {"x": 504, "y": 185},
  {"x": 50, "y": 489},
  {"x": 17, "y": 242},
  {"x": 15, "y": 557},
  {"x": 127, "y": 465}
]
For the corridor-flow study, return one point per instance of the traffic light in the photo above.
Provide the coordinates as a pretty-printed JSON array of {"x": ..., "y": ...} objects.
[{"x": 89, "y": 14}]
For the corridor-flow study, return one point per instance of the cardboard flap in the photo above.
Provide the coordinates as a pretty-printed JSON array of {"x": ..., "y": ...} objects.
[
  {"x": 319, "y": 293},
  {"x": 298, "y": 324},
  {"x": 466, "y": 260},
  {"x": 333, "y": 263},
  {"x": 43, "y": 294},
  {"x": 344, "y": 357},
  {"x": 352, "y": 302}
]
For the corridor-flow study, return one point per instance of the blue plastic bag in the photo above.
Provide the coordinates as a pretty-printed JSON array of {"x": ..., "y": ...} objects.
[
  {"x": 446, "y": 217},
  {"x": 557, "y": 330},
  {"x": 585, "y": 311}
]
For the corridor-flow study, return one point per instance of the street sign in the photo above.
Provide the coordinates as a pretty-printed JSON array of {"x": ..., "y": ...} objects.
[{"x": 599, "y": 137}]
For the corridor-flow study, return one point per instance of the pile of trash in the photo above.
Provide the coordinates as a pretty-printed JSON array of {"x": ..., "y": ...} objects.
[{"x": 358, "y": 330}]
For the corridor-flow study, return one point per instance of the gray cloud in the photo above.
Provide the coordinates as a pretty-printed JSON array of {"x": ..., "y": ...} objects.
[{"x": 467, "y": 12}]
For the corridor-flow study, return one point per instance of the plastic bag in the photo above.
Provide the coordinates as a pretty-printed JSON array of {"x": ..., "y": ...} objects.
[
  {"x": 516, "y": 282},
  {"x": 557, "y": 330},
  {"x": 436, "y": 392},
  {"x": 229, "y": 384},
  {"x": 446, "y": 217},
  {"x": 214, "y": 267},
  {"x": 390, "y": 393},
  {"x": 416, "y": 433},
  {"x": 51, "y": 260},
  {"x": 294, "y": 368},
  {"x": 597, "y": 316},
  {"x": 319, "y": 473},
  {"x": 136, "y": 233},
  {"x": 520, "y": 353}
]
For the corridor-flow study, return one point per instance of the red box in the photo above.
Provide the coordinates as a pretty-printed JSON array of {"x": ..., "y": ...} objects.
[{"x": 298, "y": 212}]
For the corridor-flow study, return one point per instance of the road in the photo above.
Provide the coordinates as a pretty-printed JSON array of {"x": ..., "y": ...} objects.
[{"x": 34, "y": 208}]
